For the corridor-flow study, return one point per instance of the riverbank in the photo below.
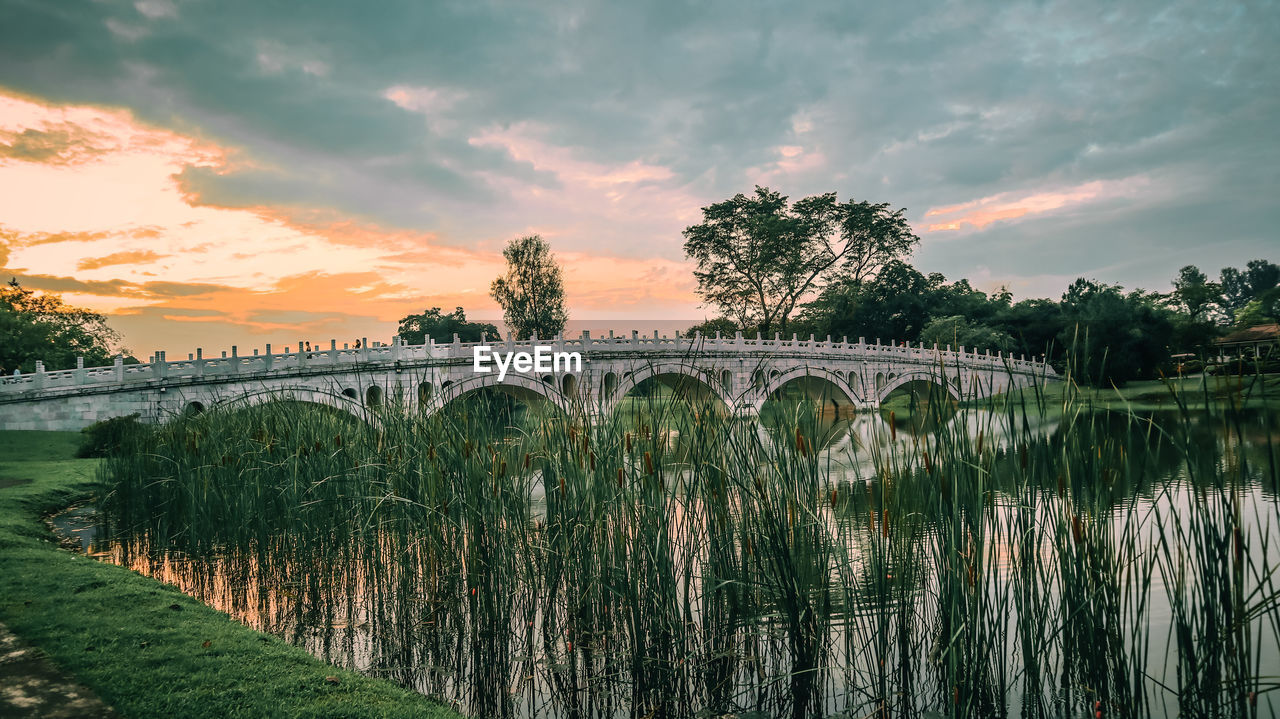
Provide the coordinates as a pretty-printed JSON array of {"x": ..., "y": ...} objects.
[
  {"x": 1249, "y": 391},
  {"x": 142, "y": 646}
]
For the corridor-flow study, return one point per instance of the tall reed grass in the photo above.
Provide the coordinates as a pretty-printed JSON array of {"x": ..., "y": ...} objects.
[{"x": 670, "y": 561}]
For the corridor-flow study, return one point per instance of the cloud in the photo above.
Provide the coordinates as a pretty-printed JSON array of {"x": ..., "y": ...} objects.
[
  {"x": 130, "y": 257},
  {"x": 412, "y": 141},
  {"x": 1007, "y": 206}
]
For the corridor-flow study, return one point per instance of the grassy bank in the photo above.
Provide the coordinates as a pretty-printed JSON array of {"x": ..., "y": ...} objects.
[
  {"x": 1258, "y": 391},
  {"x": 145, "y": 648}
]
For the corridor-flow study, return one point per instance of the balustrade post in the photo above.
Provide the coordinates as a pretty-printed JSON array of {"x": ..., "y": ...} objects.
[
  {"x": 81, "y": 376},
  {"x": 267, "y": 358},
  {"x": 39, "y": 379},
  {"x": 118, "y": 367},
  {"x": 160, "y": 368},
  {"x": 199, "y": 366}
]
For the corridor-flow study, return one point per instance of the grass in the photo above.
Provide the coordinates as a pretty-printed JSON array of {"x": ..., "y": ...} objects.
[
  {"x": 1260, "y": 391},
  {"x": 144, "y": 647}
]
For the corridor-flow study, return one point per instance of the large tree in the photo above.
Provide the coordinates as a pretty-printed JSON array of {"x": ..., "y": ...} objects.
[
  {"x": 758, "y": 256},
  {"x": 40, "y": 326},
  {"x": 415, "y": 329},
  {"x": 1194, "y": 294},
  {"x": 531, "y": 293}
]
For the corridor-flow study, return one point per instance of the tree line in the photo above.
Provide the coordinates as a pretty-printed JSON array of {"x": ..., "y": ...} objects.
[
  {"x": 765, "y": 265},
  {"x": 818, "y": 266}
]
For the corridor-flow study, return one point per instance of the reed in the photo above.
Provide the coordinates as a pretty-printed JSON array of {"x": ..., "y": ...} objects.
[{"x": 669, "y": 560}]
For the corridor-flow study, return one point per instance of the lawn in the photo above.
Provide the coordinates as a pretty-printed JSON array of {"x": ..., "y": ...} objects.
[{"x": 144, "y": 647}]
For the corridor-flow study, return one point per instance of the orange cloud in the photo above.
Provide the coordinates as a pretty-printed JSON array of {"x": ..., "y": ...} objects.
[
  {"x": 977, "y": 214},
  {"x": 113, "y": 230},
  {"x": 119, "y": 258}
]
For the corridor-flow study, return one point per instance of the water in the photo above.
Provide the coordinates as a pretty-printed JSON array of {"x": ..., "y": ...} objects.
[{"x": 1029, "y": 568}]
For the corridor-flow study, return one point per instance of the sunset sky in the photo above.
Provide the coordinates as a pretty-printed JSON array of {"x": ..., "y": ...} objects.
[{"x": 217, "y": 173}]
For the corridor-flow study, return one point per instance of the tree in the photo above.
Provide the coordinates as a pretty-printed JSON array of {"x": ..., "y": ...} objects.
[
  {"x": 43, "y": 327},
  {"x": 415, "y": 329},
  {"x": 1240, "y": 288},
  {"x": 1111, "y": 337},
  {"x": 531, "y": 293},
  {"x": 894, "y": 305},
  {"x": 709, "y": 328},
  {"x": 1194, "y": 294},
  {"x": 958, "y": 331},
  {"x": 758, "y": 256}
]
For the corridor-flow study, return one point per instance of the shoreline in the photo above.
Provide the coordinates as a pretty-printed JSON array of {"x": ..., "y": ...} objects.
[{"x": 145, "y": 648}]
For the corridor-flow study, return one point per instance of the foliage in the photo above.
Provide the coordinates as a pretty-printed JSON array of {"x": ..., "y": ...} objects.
[
  {"x": 1194, "y": 294},
  {"x": 958, "y": 331},
  {"x": 531, "y": 293},
  {"x": 1113, "y": 337},
  {"x": 1239, "y": 289},
  {"x": 43, "y": 327},
  {"x": 415, "y": 329},
  {"x": 1259, "y": 311},
  {"x": 101, "y": 439},
  {"x": 725, "y": 326},
  {"x": 758, "y": 256}
]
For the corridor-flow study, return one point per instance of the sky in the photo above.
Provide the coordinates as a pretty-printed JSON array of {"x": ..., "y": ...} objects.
[{"x": 217, "y": 173}]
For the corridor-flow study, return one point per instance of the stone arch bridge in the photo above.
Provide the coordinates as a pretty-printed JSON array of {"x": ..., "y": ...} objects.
[{"x": 738, "y": 373}]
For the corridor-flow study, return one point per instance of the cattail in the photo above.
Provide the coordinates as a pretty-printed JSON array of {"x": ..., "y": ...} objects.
[
  {"x": 337, "y": 441},
  {"x": 593, "y": 461},
  {"x": 1238, "y": 544},
  {"x": 503, "y": 471},
  {"x": 1062, "y": 486},
  {"x": 833, "y": 498},
  {"x": 648, "y": 463},
  {"x": 562, "y": 486},
  {"x": 1077, "y": 529},
  {"x": 893, "y": 427},
  {"x": 799, "y": 441},
  {"x": 884, "y": 522},
  {"x": 979, "y": 441},
  {"x": 927, "y": 467},
  {"x": 1023, "y": 457},
  {"x": 628, "y": 443},
  {"x": 620, "y": 477},
  {"x": 528, "y": 460}
]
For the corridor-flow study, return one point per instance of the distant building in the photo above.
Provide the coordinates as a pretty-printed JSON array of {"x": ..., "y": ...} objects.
[{"x": 1255, "y": 341}]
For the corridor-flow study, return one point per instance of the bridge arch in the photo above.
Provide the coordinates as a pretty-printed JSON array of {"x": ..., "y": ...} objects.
[
  {"x": 832, "y": 377},
  {"x": 519, "y": 385},
  {"x": 930, "y": 377},
  {"x": 706, "y": 380},
  {"x": 309, "y": 395}
]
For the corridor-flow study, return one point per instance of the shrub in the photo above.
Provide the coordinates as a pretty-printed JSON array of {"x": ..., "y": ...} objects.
[{"x": 105, "y": 437}]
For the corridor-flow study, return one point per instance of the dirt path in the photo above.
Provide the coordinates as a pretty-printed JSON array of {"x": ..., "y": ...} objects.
[{"x": 32, "y": 687}]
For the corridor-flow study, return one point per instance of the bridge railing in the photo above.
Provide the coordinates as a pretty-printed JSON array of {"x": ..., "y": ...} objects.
[{"x": 198, "y": 366}]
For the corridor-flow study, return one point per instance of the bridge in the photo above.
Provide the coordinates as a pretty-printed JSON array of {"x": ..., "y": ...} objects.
[{"x": 738, "y": 373}]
